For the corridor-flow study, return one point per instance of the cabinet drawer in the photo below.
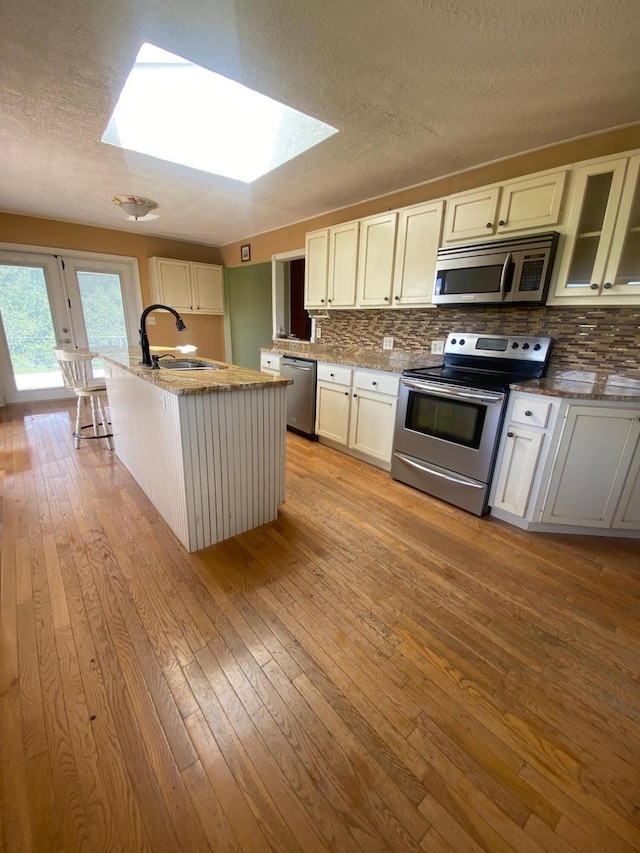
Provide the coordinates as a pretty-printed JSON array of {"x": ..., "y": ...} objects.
[
  {"x": 384, "y": 383},
  {"x": 269, "y": 361},
  {"x": 334, "y": 373},
  {"x": 531, "y": 412}
]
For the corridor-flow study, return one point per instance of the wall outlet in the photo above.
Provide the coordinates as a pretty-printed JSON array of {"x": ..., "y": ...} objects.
[
  {"x": 437, "y": 346},
  {"x": 387, "y": 343},
  {"x": 318, "y": 333},
  {"x": 151, "y": 321}
]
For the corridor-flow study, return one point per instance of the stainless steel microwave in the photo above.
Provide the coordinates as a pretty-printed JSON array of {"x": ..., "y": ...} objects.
[{"x": 500, "y": 272}]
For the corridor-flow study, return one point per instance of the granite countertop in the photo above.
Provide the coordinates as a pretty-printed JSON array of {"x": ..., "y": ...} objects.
[
  {"x": 559, "y": 381},
  {"x": 222, "y": 376},
  {"x": 394, "y": 361},
  {"x": 584, "y": 385}
]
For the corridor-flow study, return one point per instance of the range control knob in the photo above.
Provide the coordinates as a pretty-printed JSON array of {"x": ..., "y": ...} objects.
[
  {"x": 525, "y": 346},
  {"x": 461, "y": 342},
  {"x": 453, "y": 341},
  {"x": 537, "y": 347},
  {"x": 514, "y": 345}
]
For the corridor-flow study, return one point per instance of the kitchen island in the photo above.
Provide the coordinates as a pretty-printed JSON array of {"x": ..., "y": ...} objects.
[{"x": 206, "y": 446}]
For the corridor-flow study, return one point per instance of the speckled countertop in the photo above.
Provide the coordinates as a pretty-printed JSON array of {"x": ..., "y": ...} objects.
[
  {"x": 559, "y": 382},
  {"x": 584, "y": 385},
  {"x": 395, "y": 361},
  {"x": 222, "y": 377}
]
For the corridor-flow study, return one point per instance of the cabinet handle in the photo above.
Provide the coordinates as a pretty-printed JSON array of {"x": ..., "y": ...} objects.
[
  {"x": 329, "y": 300},
  {"x": 355, "y": 395},
  {"x": 386, "y": 299},
  {"x": 374, "y": 383},
  {"x": 594, "y": 286},
  {"x": 502, "y": 222},
  {"x": 322, "y": 300},
  {"x": 509, "y": 435},
  {"x": 397, "y": 298},
  {"x": 607, "y": 285},
  {"x": 489, "y": 224},
  {"x": 528, "y": 413},
  {"x": 346, "y": 393},
  {"x": 332, "y": 375}
]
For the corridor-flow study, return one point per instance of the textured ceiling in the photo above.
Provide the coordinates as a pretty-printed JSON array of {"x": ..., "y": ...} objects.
[{"x": 417, "y": 89}]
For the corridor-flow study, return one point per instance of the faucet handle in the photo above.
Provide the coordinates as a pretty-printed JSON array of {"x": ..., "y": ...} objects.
[{"x": 154, "y": 362}]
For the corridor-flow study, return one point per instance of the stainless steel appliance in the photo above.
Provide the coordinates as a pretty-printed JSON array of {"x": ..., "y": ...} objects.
[
  {"x": 301, "y": 396},
  {"x": 499, "y": 272},
  {"x": 449, "y": 417}
]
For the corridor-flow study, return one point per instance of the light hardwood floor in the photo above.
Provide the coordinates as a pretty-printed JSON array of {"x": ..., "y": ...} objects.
[{"x": 374, "y": 671}]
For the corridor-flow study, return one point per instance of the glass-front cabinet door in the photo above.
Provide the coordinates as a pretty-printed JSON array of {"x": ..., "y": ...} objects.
[{"x": 601, "y": 258}]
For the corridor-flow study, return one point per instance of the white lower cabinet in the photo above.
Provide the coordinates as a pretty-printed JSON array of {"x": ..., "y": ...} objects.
[
  {"x": 569, "y": 465},
  {"x": 270, "y": 363},
  {"x": 517, "y": 469},
  {"x": 592, "y": 465},
  {"x": 355, "y": 411}
]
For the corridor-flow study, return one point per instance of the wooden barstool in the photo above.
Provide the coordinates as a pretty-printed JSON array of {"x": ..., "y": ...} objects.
[{"x": 74, "y": 366}]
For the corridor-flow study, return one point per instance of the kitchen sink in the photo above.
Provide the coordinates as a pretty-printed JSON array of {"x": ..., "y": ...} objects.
[{"x": 187, "y": 364}]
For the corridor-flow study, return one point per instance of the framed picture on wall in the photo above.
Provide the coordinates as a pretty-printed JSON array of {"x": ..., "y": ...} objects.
[{"x": 245, "y": 252}]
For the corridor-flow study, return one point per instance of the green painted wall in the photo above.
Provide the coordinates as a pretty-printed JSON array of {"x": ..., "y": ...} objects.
[{"x": 248, "y": 295}]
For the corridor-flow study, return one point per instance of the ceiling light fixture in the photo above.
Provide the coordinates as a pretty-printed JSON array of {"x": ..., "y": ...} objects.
[{"x": 134, "y": 205}]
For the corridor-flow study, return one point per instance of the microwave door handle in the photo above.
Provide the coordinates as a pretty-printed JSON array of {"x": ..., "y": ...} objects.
[{"x": 503, "y": 277}]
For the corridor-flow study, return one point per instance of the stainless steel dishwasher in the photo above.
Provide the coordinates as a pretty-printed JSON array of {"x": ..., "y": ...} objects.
[{"x": 301, "y": 396}]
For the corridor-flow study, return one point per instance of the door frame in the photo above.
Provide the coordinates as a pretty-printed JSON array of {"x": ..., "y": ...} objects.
[{"x": 132, "y": 303}]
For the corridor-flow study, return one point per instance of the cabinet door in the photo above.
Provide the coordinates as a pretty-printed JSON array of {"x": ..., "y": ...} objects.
[
  {"x": 590, "y": 227},
  {"x": 372, "y": 423},
  {"x": 332, "y": 411},
  {"x": 208, "y": 288},
  {"x": 591, "y": 465},
  {"x": 534, "y": 203},
  {"x": 343, "y": 265},
  {"x": 622, "y": 275},
  {"x": 419, "y": 231},
  {"x": 517, "y": 469},
  {"x": 316, "y": 269},
  {"x": 376, "y": 256},
  {"x": 172, "y": 283},
  {"x": 471, "y": 215},
  {"x": 627, "y": 515}
]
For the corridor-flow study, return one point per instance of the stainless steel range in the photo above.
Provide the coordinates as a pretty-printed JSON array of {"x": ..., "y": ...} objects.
[{"x": 449, "y": 417}]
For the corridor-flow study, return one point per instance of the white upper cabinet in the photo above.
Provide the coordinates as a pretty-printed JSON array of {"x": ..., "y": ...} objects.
[
  {"x": 190, "y": 288},
  {"x": 419, "y": 231},
  {"x": 471, "y": 215},
  {"x": 331, "y": 269},
  {"x": 316, "y": 269},
  {"x": 601, "y": 256},
  {"x": 343, "y": 265},
  {"x": 520, "y": 205},
  {"x": 376, "y": 257}
]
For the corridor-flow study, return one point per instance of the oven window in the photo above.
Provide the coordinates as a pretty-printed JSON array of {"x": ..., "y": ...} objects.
[
  {"x": 471, "y": 280},
  {"x": 451, "y": 420}
]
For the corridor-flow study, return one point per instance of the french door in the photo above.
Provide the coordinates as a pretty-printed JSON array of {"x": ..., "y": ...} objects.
[{"x": 68, "y": 301}]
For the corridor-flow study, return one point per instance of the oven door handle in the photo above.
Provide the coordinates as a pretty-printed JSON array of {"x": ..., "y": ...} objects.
[
  {"x": 441, "y": 391},
  {"x": 503, "y": 276},
  {"x": 421, "y": 466}
]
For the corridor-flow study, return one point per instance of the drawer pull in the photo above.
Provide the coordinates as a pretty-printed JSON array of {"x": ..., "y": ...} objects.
[
  {"x": 509, "y": 435},
  {"x": 374, "y": 383},
  {"x": 528, "y": 413}
]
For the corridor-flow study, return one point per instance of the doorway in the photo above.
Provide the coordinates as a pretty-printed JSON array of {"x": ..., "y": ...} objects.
[
  {"x": 48, "y": 301},
  {"x": 290, "y": 317}
]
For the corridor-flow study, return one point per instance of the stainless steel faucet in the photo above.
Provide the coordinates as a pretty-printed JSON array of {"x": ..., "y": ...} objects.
[{"x": 144, "y": 340}]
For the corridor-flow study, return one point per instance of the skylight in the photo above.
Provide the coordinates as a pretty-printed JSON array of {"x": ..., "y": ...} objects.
[{"x": 177, "y": 111}]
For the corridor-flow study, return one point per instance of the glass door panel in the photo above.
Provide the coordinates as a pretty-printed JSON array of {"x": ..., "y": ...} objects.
[
  {"x": 32, "y": 324},
  {"x": 103, "y": 313}
]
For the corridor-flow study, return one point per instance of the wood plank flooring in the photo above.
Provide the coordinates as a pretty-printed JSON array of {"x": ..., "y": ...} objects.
[{"x": 375, "y": 671}]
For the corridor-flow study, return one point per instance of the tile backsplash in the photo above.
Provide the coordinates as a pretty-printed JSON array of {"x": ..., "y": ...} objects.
[{"x": 583, "y": 337}]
